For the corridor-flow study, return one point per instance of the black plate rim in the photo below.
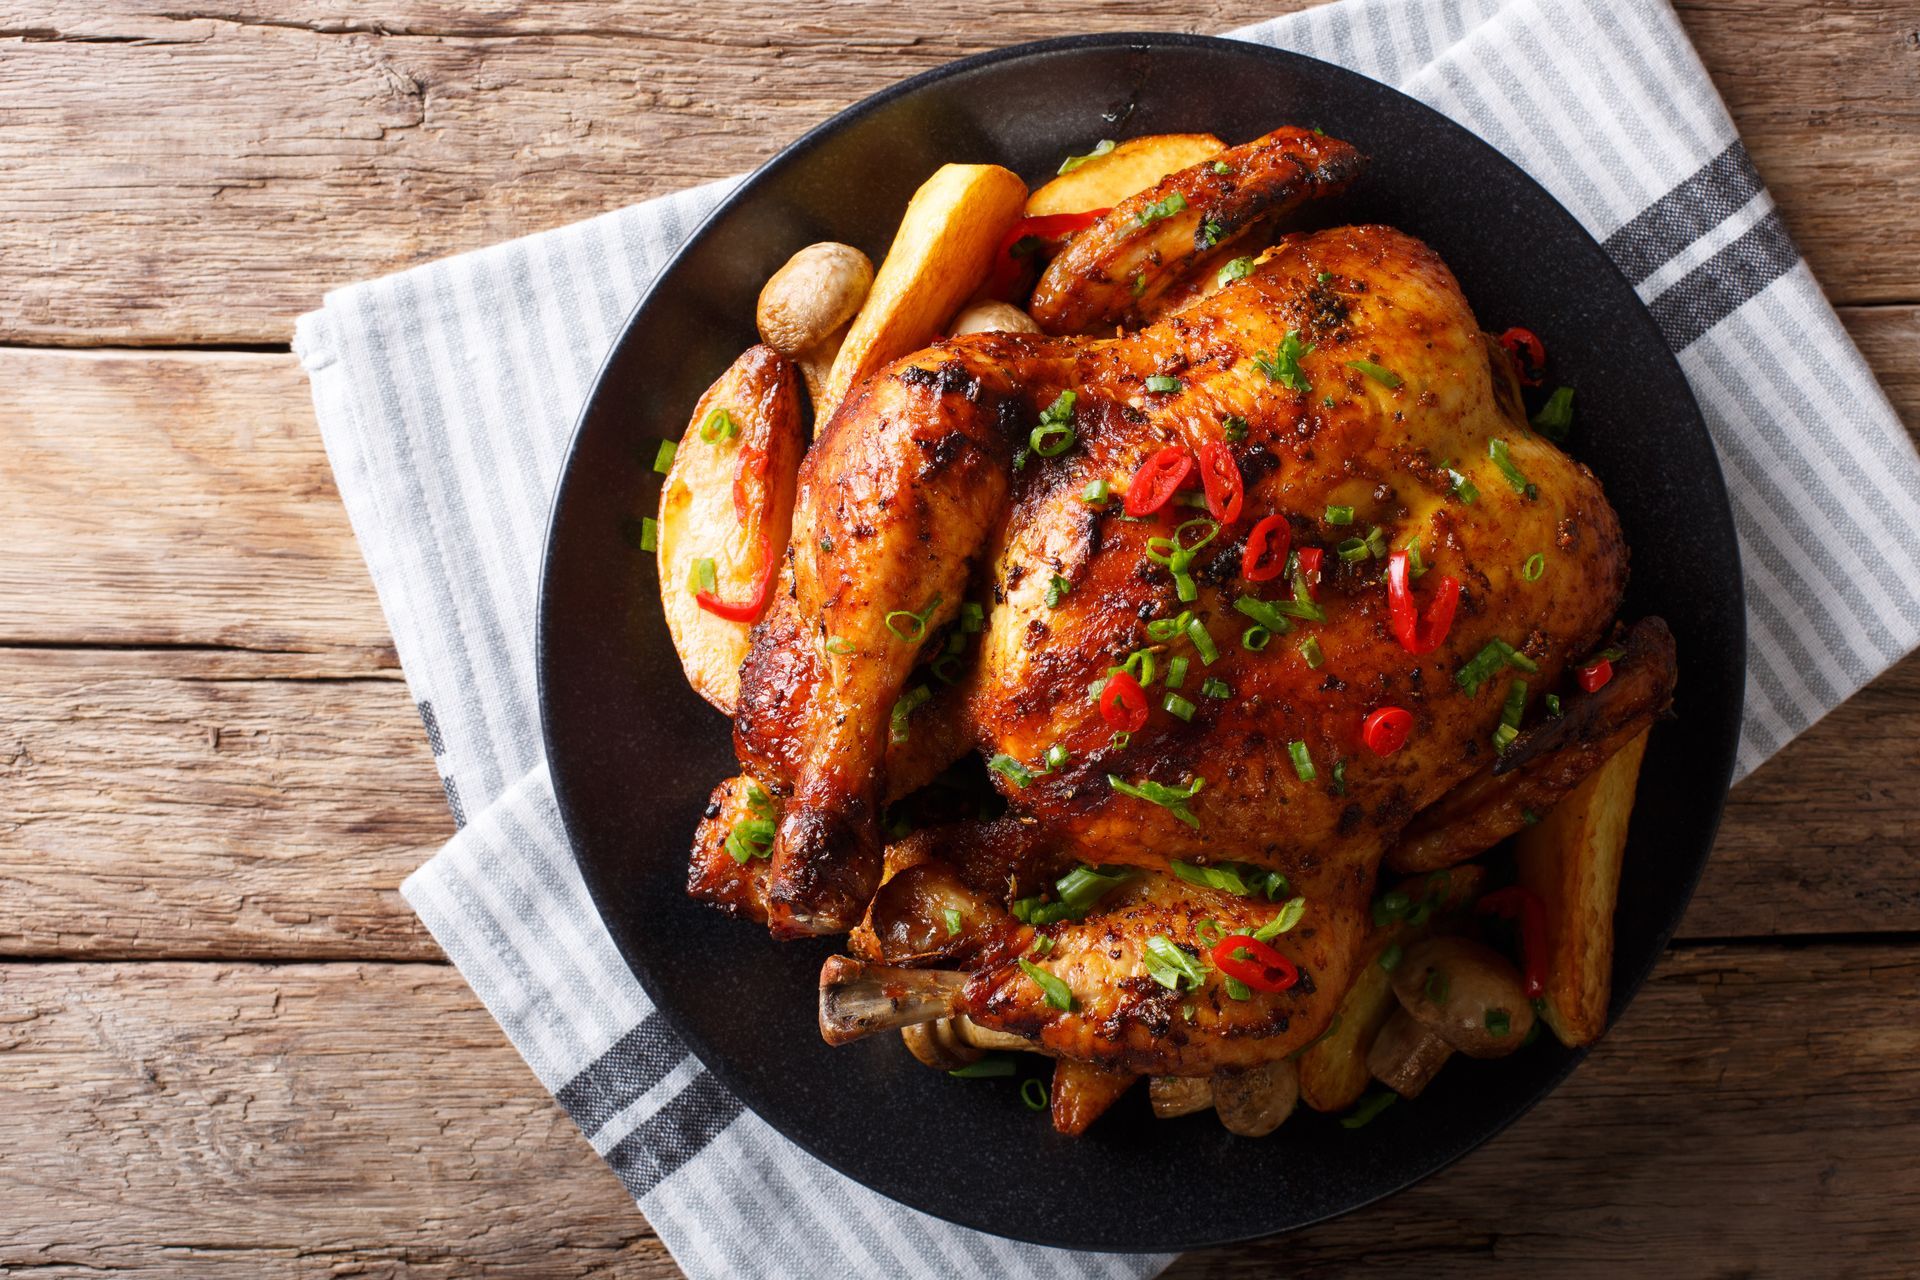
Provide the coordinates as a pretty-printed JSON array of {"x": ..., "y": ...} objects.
[{"x": 546, "y": 622}]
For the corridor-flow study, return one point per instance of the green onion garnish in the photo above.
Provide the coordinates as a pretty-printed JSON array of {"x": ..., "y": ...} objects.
[
  {"x": 1042, "y": 945},
  {"x": 1535, "y": 566},
  {"x": 1377, "y": 542},
  {"x": 908, "y": 702},
  {"x": 1339, "y": 777},
  {"x": 1255, "y": 638},
  {"x": 1222, "y": 168},
  {"x": 1084, "y": 886},
  {"x": 1339, "y": 515},
  {"x": 1481, "y": 668},
  {"x": 1215, "y": 687},
  {"x": 1177, "y": 671},
  {"x": 1170, "y": 964},
  {"x": 1057, "y": 757},
  {"x": 1379, "y": 373},
  {"x": 1302, "y": 761},
  {"x": 1011, "y": 769},
  {"x": 1438, "y": 985},
  {"x": 1390, "y": 958},
  {"x": 1057, "y": 589},
  {"x": 1178, "y": 706},
  {"x": 835, "y": 645},
  {"x": 1058, "y": 993},
  {"x": 1210, "y": 233},
  {"x": 1510, "y": 712},
  {"x": 914, "y": 629},
  {"x": 1461, "y": 487},
  {"x": 1555, "y": 418},
  {"x": 1071, "y": 163},
  {"x": 993, "y": 1068},
  {"x": 1416, "y": 564},
  {"x": 1553, "y": 705},
  {"x": 1499, "y": 1022},
  {"x": 717, "y": 426},
  {"x": 1120, "y": 740},
  {"x": 1140, "y": 664},
  {"x": 1283, "y": 365},
  {"x": 1202, "y": 642},
  {"x": 663, "y": 460},
  {"x": 973, "y": 617},
  {"x": 1208, "y": 931},
  {"x": 1174, "y": 800},
  {"x": 1265, "y": 612},
  {"x": 1238, "y": 269},
  {"x": 952, "y": 918},
  {"x": 1054, "y": 436},
  {"x": 1497, "y": 450},
  {"x": 1161, "y": 209},
  {"x": 1161, "y": 382},
  {"x": 701, "y": 576},
  {"x": 1096, "y": 493},
  {"x": 649, "y": 534},
  {"x": 1033, "y": 1093},
  {"x": 1242, "y": 879},
  {"x": 1234, "y": 428},
  {"x": 1290, "y": 912},
  {"x": 751, "y": 838},
  {"x": 1140, "y": 285},
  {"x": 1166, "y": 629},
  {"x": 1310, "y": 650},
  {"x": 1351, "y": 549},
  {"x": 1236, "y": 989},
  {"x": 1369, "y": 1107}
]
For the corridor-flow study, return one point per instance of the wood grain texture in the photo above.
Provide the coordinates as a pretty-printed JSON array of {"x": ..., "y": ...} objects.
[
  {"x": 215, "y": 1120},
  {"x": 203, "y": 176}
]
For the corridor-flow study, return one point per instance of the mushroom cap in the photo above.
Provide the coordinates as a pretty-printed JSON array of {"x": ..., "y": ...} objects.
[
  {"x": 1466, "y": 993},
  {"x": 991, "y": 316},
  {"x": 816, "y": 292}
]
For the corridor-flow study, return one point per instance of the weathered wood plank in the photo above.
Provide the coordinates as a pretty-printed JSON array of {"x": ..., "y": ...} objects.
[
  {"x": 204, "y": 177},
  {"x": 212, "y": 1120},
  {"x": 210, "y": 804},
  {"x": 174, "y": 499},
  {"x": 216, "y": 1121},
  {"x": 260, "y": 805}
]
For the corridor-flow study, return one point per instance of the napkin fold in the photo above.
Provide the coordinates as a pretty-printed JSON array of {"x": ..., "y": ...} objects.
[{"x": 446, "y": 396}]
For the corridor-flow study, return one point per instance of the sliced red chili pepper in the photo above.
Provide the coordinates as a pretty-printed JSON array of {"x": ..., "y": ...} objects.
[
  {"x": 1221, "y": 476},
  {"x": 1594, "y": 674},
  {"x": 1529, "y": 355},
  {"x": 1522, "y": 905},
  {"x": 1048, "y": 230},
  {"x": 1266, "y": 555},
  {"x": 1386, "y": 730},
  {"x": 748, "y": 610},
  {"x": 1123, "y": 703},
  {"x": 1153, "y": 485},
  {"x": 1310, "y": 558},
  {"x": 1418, "y": 634},
  {"x": 1261, "y": 968}
]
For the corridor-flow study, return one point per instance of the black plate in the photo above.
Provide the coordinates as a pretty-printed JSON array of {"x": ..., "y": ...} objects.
[{"x": 634, "y": 752}]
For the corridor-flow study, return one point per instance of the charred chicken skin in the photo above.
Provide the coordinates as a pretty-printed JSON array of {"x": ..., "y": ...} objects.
[{"x": 1337, "y": 380}]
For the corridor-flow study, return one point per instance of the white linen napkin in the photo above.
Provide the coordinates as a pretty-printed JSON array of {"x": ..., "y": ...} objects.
[{"x": 446, "y": 396}]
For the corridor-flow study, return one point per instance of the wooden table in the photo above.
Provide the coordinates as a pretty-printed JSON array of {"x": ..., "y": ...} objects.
[{"x": 228, "y": 1049}]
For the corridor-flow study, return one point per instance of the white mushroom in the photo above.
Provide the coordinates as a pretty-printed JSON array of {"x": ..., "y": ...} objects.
[
  {"x": 991, "y": 317},
  {"x": 807, "y": 306},
  {"x": 1455, "y": 994}
]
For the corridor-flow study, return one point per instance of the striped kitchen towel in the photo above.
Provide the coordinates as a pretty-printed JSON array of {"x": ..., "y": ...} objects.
[{"x": 446, "y": 396}]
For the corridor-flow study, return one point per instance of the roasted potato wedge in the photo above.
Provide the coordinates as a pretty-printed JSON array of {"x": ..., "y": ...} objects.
[
  {"x": 939, "y": 256},
  {"x": 1082, "y": 1093},
  {"x": 1133, "y": 165},
  {"x": 1333, "y": 1070},
  {"x": 1571, "y": 858},
  {"x": 728, "y": 498}
]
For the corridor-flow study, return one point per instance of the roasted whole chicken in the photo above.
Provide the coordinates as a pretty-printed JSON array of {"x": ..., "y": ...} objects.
[{"x": 1245, "y": 574}]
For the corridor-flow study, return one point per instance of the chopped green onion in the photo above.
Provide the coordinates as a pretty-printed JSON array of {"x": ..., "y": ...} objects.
[
  {"x": 1170, "y": 964},
  {"x": 993, "y": 1068},
  {"x": 1234, "y": 428},
  {"x": 1141, "y": 665},
  {"x": 1161, "y": 209},
  {"x": 1179, "y": 706},
  {"x": 663, "y": 460},
  {"x": 1283, "y": 365},
  {"x": 836, "y": 645},
  {"x": 1612, "y": 653},
  {"x": 1499, "y": 1022},
  {"x": 1237, "y": 990},
  {"x": 1238, "y": 269},
  {"x": 952, "y": 918},
  {"x": 1166, "y": 629},
  {"x": 1140, "y": 284},
  {"x": 914, "y": 629},
  {"x": 1058, "y": 993},
  {"x": 1460, "y": 487},
  {"x": 1084, "y": 886},
  {"x": 1553, "y": 705},
  {"x": 1416, "y": 564},
  {"x": 1339, "y": 515},
  {"x": 1510, "y": 713},
  {"x": 909, "y": 701},
  {"x": 1185, "y": 589},
  {"x": 1100, "y": 148},
  {"x": 1303, "y": 605},
  {"x": 649, "y": 534},
  {"x": 1203, "y": 642},
  {"x": 751, "y": 838},
  {"x": 1054, "y": 436},
  {"x": 718, "y": 426},
  {"x": 1242, "y": 879},
  {"x": 1042, "y": 945},
  {"x": 701, "y": 576},
  {"x": 1161, "y": 382},
  {"x": 1290, "y": 912},
  {"x": 1011, "y": 769},
  {"x": 1535, "y": 566},
  {"x": 1379, "y": 373},
  {"x": 1390, "y": 958},
  {"x": 1033, "y": 1093},
  {"x": 1302, "y": 761},
  {"x": 1352, "y": 549},
  {"x": 1555, "y": 418},
  {"x": 1438, "y": 985},
  {"x": 1497, "y": 450},
  {"x": 1222, "y": 168},
  {"x": 1208, "y": 930},
  {"x": 1177, "y": 671},
  {"x": 1377, "y": 542},
  {"x": 1255, "y": 638},
  {"x": 1339, "y": 777},
  {"x": 1057, "y": 756},
  {"x": 1120, "y": 740},
  {"x": 1210, "y": 233},
  {"x": 1266, "y": 613},
  {"x": 1174, "y": 800},
  {"x": 1310, "y": 650},
  {"x": 1057, "y": 590},
  {"x": 1369, "y": 1107},
  {"x": 1481, "y": 668},
  {"x": 973, "y": 617},
  {"x": 1096, "y": 493},
  {"x": 1215, "y": 687}
]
